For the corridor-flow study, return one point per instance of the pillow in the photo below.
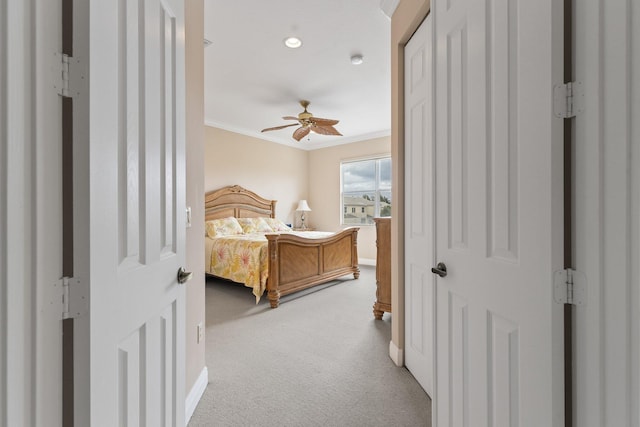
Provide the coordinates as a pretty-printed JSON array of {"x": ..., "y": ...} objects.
[
  {"x": 254, "y": 225},
  {"x": 223, "y": 227},
  {"x": 277, "y": 225}
]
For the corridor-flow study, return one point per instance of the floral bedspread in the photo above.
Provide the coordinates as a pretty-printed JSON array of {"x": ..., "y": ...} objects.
[{"x": 243, "y": 259}]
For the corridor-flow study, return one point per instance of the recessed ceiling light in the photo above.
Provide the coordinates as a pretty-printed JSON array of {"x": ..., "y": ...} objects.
[
  {"x": 357, "y": 59},
  {"x": 292, "y": 42}
]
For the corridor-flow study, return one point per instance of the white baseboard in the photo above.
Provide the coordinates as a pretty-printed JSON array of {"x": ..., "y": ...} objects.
[
  {"x": 367, "y": 261},
  {"x": 396, "y": 354},
  {"x": 196, "y": 394}
]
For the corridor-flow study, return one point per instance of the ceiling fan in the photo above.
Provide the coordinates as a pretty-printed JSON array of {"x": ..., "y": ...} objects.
[{"x": 308, "y": 123}]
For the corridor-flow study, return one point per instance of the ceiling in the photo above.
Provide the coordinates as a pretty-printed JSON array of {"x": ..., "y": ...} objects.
[{"x": 252, "y": 79}]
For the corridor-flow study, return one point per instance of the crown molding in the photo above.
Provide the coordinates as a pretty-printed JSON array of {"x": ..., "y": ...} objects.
[{"x": 305, "y": 145}]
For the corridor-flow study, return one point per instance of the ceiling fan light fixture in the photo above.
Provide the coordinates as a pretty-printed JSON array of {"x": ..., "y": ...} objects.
[
  {"x": 357, "y": 59},
  {"x": 292, "y": 42},
  {"x": 308, "y": 123}
]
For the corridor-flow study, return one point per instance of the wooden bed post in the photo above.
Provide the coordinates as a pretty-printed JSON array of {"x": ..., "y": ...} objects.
[
  {"x": 354, "y": 257},
  {"x": 272, "y": 281},
  {"x": 273, "y": 208}
]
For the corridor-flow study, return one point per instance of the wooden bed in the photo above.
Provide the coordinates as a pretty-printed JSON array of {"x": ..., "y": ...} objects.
[{"x": 295, "y": 262}]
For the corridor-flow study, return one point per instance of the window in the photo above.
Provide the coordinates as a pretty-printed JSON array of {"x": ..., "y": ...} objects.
[{"x": 366, "y": 190}]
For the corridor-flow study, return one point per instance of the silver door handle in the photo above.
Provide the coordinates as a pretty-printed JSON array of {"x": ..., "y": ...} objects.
[
  {"x": 183, "y": 275},
  {"x": 440, "y": 269}
]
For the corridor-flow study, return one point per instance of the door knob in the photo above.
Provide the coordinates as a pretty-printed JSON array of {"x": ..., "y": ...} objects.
[
  {"x": 184, "y": 275},
  {"x": 440, "y": 269}
]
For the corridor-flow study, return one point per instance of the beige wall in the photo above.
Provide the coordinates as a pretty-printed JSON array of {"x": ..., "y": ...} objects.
[
  {"x": 271, "y": 170},
  {"x": 324, "y": 188},
  {"x": 195, "y": 355},
  {"x": 288, "y": 174},
  {"x": 404, "y": 22}
]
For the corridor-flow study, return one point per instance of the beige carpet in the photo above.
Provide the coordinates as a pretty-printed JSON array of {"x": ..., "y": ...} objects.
[{"x": 320, "y": 359}]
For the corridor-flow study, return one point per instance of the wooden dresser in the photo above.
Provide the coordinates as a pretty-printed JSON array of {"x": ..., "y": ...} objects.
[{"x": 383, "y": 267}]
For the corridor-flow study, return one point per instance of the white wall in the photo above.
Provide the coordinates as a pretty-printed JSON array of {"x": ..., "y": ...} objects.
[
  {"x": 30, "y": 215},
  {"x": 16, "y": 193},
  {"x": 607, "y": 214}
]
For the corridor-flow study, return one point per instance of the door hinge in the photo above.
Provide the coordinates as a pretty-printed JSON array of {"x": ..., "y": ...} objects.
[
  {"x": 568, "y": 99},
  {"x": 570, "y": 287},
  {"x": 70, "y": 75},
  {"x": 74, "y": 302}
]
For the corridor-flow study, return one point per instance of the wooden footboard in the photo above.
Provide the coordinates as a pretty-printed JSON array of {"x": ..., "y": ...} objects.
[{"x": 297, "y": 263}]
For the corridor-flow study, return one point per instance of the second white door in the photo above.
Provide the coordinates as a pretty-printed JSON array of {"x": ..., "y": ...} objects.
[
  {"x": 418, "y": 220},
  {"x": 499, "y": 352}
]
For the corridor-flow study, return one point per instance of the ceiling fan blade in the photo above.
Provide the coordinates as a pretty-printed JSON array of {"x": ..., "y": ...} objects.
[
  {"x": 325, "y": 130},
  {"x": 279, "y": 127},
  {"x": 324, "y": 122},
  {"x": 301, "y": 132},
  {"x": 290, "y": 118}
]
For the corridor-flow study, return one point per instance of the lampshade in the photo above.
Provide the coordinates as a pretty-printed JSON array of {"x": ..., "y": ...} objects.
[{"x": 303, "y": 206}]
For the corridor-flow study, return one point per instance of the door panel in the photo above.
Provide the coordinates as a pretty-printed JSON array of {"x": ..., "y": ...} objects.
[
  {"x": 458, "y": 364},
  {"x": 137, "y": 232},
  {"x": 419, "y": 242},
  {"x": 502, "y": 141},
  {"x": 498, "y": 213},
  {"x": 503, "y": 377},
  {"x": 168, "y": 132},
  {"x": 457, "y": 156},
  {"x": 130, "y": 144}
]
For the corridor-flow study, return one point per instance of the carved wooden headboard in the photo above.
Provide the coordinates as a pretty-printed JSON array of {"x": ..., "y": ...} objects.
[{"x": 236, "y": 201}]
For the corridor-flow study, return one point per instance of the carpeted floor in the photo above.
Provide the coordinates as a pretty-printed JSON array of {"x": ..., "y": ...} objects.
[{"x": 320, "y": 359}]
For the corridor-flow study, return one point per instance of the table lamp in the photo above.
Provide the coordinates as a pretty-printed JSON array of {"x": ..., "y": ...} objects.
[{"x": 303, "y": 207}]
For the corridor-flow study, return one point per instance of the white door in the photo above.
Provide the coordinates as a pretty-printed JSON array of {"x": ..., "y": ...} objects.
[
  {"x": 418, "y": 221},
  {"x": 137, "y": 204},
  {"x": 499, "y": 353}
]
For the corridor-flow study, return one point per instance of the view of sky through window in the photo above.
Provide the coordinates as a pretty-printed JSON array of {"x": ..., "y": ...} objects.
[{"x": 366, "y": 190}]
